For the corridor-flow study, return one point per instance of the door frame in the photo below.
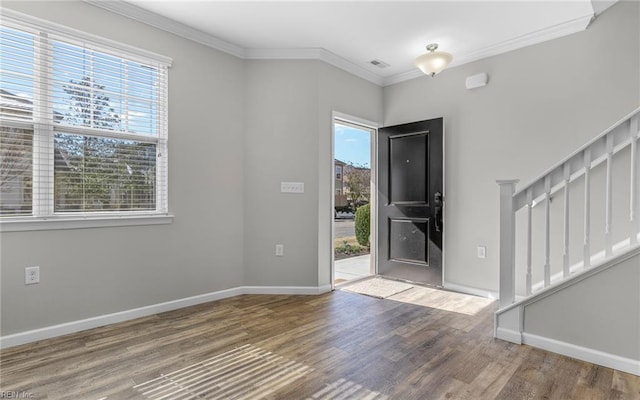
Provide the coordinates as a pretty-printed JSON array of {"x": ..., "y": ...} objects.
[{"x": 360, "y": 123}]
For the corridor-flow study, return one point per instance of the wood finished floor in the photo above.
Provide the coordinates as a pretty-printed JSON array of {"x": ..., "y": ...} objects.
[{"x": 419, "y": 344}]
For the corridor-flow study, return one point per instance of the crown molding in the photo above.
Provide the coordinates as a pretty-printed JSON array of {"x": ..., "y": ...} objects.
[
  {"x": 166, "y": 24},
  {"x": 553, "y": 32},
  {"x": 314, "y": 54},
  {"x": 403, "y": 76},
  {"x": 145, "y": 56},
  {"x": 346, "y": 65},
  {"x": 600, "y": 6}
]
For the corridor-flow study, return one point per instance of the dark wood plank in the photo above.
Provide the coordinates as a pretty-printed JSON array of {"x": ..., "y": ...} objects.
[{"x": 419, "y": 344}]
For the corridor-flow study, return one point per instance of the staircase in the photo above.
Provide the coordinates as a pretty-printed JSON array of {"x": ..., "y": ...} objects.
[{"x": 566, "y": 301}]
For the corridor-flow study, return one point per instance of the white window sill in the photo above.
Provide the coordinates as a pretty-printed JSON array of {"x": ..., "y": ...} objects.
[{"x": 21, "y": 224}]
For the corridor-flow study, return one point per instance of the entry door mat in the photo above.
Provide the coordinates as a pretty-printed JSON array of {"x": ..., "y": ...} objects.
[
  {"x": 378, "y": 287},
  {"x": 246, "y": 372}
]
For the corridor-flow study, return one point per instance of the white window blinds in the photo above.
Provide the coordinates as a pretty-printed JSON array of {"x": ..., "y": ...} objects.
[
  {"x": 83, "y": 127},
  {"x": 17, "y": 78}
]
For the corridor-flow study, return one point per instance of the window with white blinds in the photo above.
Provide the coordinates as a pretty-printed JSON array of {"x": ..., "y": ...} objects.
[{"x": 83, "y": 127}]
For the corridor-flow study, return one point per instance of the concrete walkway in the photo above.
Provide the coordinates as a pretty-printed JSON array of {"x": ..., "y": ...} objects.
[{"x": 352, "y": 268}]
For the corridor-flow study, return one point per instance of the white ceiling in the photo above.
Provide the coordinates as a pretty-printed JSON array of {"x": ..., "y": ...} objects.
[{"x": 349, "y": 34}]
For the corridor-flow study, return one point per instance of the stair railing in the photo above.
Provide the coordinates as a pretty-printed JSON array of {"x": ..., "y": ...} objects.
[{"x": 621, "y": 135}]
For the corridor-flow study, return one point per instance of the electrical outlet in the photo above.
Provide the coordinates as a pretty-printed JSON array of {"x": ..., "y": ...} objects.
[
  {"x": 31, "y": 275},
  {"x": 482, "y": 252},
  {"x": 280, "y": 250}
]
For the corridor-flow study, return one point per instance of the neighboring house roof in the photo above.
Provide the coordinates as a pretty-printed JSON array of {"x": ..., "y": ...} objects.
[
  {"x": 6, "y": 94},
  {"x": 10, "y": 100},
  {"x": 14, "y": 102},
  {"x": 20, "y": 104}
]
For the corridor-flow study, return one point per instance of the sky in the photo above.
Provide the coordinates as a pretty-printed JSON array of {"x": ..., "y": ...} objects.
[
  {"x": 129, "y": 87},
  {"x": 353, "y": 145}
]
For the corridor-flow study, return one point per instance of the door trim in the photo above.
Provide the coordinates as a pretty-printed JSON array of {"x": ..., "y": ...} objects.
[{"x": 373, "y": 127}]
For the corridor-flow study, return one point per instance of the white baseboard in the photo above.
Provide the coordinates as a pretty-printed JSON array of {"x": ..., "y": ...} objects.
[
  {"x": 582, "y": 353},
  {"x": 302, "y": 290},
  {"x": 509, "y": 335},
  {"x": 471, "y": 290},
  {"x": 48, "y": 332}
]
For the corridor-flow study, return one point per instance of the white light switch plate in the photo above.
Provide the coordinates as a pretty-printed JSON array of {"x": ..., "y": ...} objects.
[{"x": 292, "y": 187}]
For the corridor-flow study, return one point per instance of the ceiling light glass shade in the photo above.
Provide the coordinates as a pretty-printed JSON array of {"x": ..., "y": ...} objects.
[{"x": 433, "y": 62}]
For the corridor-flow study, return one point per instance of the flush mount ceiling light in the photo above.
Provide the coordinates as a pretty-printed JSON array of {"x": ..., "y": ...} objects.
[{"x": 434, "y": 61}]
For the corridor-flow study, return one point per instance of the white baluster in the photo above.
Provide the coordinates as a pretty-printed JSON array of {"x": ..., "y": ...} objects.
[
  {"x": 608, "y": 238},
  {"x": 565, "y": 256},
  {"x": 507, "y": 243},
  {"x": 587, "y": 209},
  {"x": 547, "y": 228},
  {"x": 633, "y": 198},
  {"x": 529, "y": 249}
]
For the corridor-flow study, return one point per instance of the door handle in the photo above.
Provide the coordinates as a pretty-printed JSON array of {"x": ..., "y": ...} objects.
[{"x": 437, "y": 202}]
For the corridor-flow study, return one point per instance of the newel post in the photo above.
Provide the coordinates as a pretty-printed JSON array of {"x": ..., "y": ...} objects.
[{"x": 507, "y": 242}]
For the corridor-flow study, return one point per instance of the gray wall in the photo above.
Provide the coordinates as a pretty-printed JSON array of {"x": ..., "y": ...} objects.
[
  {"x": 280, "y": 145},
  {"x": 236, "y": 130},
  {"x": 91, "y": 272},
  {"x": 601, "y": 312},
  {"x": 288, "y": 138},
  {"x": 542, "y": 102}
]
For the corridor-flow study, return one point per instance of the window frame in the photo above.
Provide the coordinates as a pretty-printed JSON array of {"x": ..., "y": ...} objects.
[{"x": 43, "y": 216}]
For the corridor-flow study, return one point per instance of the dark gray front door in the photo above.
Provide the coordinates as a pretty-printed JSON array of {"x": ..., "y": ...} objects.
[{"x": 410, "y": 201}]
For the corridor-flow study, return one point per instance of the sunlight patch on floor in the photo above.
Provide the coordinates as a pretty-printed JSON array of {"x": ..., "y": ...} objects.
[
  {"x": 246, "y": 372},
  {"x": 443, "y": 300},
  {"x": 344, "y": 389}
]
